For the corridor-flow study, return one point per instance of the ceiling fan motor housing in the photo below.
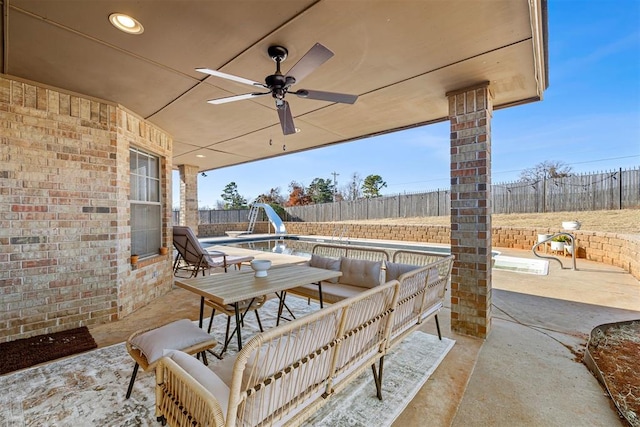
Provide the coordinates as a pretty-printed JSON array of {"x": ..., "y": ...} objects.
[
  {"x": 278, "y": 53},
  {"x": 277, "y": 82}
]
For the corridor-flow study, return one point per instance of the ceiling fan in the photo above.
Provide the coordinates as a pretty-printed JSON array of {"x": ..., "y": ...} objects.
[{"x": 279, "y": 85}]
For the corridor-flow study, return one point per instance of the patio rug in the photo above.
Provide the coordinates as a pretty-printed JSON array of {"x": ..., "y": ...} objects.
[
  {"x": 27, "y": 352},
  {"x": 89, "y": 389}
]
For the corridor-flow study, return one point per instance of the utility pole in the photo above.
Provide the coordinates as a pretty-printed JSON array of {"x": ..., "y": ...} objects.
[{"x": 335, "y": 184}]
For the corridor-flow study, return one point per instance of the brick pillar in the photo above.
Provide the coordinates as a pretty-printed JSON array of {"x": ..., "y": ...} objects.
[
  {"x": 189, "y": 197},
  {"x": 470, "y": 113}
]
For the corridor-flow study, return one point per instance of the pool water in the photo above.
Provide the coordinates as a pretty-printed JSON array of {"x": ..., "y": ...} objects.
[{"x": 288, "y": 247}]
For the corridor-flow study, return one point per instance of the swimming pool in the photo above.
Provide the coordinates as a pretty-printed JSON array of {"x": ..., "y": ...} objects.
[{"x": 303, "y": 245}]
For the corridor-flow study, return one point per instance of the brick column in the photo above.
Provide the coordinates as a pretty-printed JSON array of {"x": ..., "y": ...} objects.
[
  {"x": 470, "y": 111},
  {"x": 189, "y": 197}
]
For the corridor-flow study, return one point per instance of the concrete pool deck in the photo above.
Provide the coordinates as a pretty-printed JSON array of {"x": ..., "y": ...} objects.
[{"x": 526, "y": 373}]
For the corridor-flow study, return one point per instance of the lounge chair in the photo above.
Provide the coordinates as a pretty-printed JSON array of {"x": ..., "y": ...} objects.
[{"x": 192, "y": 257}]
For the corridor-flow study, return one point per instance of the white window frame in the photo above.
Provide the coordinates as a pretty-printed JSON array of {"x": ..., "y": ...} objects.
[{"x": 145, "y": 199}]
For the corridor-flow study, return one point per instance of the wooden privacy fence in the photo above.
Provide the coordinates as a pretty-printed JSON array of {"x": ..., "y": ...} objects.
[
  {"x": 435, "y": 203},
  {"x": 597, "y": 191},
  {"x": 590, "y": 192}
]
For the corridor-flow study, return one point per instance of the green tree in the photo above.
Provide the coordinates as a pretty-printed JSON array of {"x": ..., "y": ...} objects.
[
  {"x": 233, "y": 199},
  {"x": 321, "y": 190},
  {"x": 274, "y": 199},
  {"x": 372, "y": 185},
  {"x": 282, "y": 213},
  {"x": 545, "y": 170}
]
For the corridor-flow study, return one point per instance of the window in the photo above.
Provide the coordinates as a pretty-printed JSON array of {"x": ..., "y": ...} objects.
[{"x": 146, "y": 210}]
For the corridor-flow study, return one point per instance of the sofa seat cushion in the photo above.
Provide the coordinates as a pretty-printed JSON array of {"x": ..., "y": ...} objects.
[
  {"x": 331, "y": 292},
  {"x": 326, "y": 263},
  {"x": 209, "y": 380},
  {"x": 178, "y": 335},
  {"x": 362, "y": 273}
]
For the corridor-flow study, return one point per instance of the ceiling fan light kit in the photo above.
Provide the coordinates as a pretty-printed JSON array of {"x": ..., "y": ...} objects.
[{"x": 280, "y": 84}]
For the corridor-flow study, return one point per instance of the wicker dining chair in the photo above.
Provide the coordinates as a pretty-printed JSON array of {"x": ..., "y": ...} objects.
[
  {"x": 148, "y": 346},
  {"x": 244, "y": 307}
]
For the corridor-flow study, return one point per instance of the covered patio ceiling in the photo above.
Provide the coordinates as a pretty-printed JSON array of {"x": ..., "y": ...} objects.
[{"x": 399, "y": 57}]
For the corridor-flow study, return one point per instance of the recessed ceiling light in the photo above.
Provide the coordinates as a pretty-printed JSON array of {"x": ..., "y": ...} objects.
[
  {"x": 201, "y": 156},
  {"x": 298, "y": 130},
  {"x": 126, "y": 23}
]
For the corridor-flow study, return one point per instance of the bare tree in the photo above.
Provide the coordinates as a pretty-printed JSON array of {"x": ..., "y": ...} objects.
[
  {"x": 273, "y": 196},
  {"x": 354, "y": 190},
  {"x": 545, "y": 170}
]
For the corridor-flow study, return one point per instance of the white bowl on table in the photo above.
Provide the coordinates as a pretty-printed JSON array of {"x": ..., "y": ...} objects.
[{"x": 260, "y": 266}]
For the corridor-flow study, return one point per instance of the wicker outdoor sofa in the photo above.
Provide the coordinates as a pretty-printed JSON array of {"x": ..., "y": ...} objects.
[
  {"x": 365, "y": 267},
  {"x": 283, "y": 375}
]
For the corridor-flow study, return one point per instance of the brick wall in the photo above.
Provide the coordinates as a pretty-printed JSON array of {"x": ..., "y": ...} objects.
[
  {"x": 64, "y": 211},
  {"x": 189, "y": 196},
  {"x": 470, "y": 112},
  {"x": 140, "y": 284},
  {"x": 620, "y": 250}
]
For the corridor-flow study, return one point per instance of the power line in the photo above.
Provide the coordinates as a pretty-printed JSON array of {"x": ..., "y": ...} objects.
[
  {"x": 602, "y": 160},
  {"x": 514, "y": 170},
  {"x": 574, "y": 163}
]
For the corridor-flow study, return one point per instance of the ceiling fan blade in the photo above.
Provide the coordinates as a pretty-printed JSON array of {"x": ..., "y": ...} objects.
[
  {"x": 286, "y": 119},
  {"x": 235, "y": 98},
  {"x": 229, "y": 77},
  {"x": 315, "y": 57},
  {"x": 343, "y": 98}
]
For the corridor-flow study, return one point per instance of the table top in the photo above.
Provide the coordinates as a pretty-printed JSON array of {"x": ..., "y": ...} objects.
[{"x": 231, "y": 287}]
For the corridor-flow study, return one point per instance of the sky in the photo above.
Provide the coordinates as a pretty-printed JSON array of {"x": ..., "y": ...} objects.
[{"x": 589, "y": 119}]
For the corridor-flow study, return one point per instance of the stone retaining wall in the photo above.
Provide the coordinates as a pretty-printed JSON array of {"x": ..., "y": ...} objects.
[
  {"x": 620, "y": 250},
  {"x": 217, "y": 230}
]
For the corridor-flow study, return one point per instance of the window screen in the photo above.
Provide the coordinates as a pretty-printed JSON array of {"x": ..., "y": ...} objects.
[{"x": 146, "y": 217}]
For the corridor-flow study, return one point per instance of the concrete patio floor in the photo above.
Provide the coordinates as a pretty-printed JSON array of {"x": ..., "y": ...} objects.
[{"x": 526, "y": 373}]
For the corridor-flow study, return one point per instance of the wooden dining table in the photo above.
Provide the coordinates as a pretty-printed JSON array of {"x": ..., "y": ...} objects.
[{"x": 233, "y": 287}]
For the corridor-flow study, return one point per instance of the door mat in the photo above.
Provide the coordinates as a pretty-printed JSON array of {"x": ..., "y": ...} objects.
[{"x": 26, "y": 352}]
